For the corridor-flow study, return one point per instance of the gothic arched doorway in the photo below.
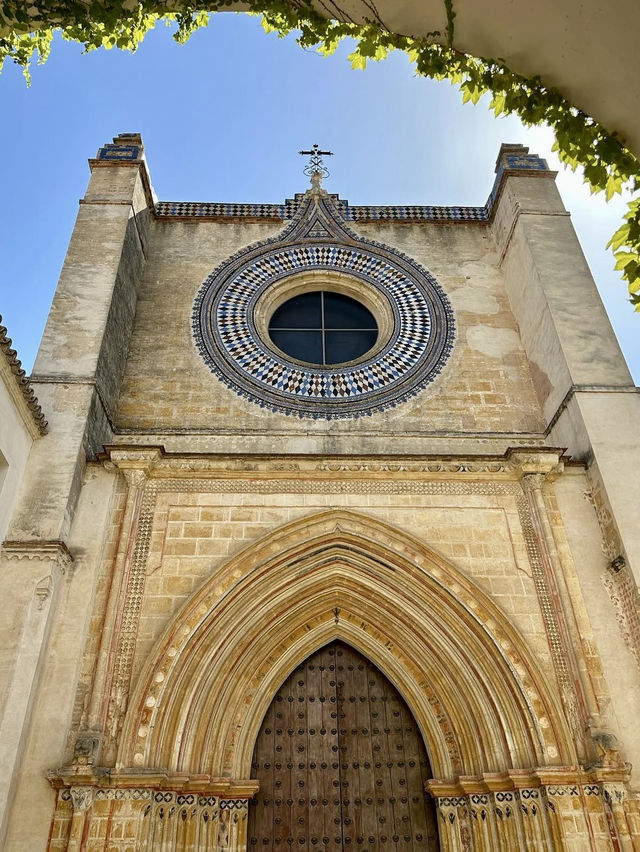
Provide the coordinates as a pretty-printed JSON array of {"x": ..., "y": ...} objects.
[{"x": 341, "y": 763}]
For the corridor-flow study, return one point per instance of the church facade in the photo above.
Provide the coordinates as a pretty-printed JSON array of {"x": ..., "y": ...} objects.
[{"x": 331, "y": 542}]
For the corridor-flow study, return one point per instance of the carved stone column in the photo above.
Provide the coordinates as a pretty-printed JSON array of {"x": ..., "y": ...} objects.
[
  {"x": 234, "y": 813},
  {"x": 533, "y": 819},
  {"x": 507, "y": 819},
  {"x": 453, "y": 824},
  {"x": 82, "y": 801},
  {"x": 615, "y": 794},
  {"x": 481, "y": 822}
]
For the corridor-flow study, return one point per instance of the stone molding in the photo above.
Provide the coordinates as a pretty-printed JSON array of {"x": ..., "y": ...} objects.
[
  {"x": 157, "y": 463},
  {"x": 555, "y": 779},
  {"x": 38, "y": 550},
  {"x": 136, "y": 784}
]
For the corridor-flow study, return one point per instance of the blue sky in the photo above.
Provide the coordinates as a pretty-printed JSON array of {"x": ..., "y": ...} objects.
[{"x": 222, "y": 119}]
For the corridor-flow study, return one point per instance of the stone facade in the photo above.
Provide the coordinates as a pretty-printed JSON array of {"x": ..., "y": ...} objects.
[{"x": 475, "y": 539}]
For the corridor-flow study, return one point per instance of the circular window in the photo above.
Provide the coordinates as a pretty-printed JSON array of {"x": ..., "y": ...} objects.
[
  {"x": 323, "y": 328},
  {"x": 319, "y": 322}
]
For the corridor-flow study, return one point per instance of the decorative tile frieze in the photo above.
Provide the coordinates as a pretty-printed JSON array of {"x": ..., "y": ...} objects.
[
  {"x": 352, "y": 213},
  {"x": 119, "y": 152},
  {"x": 517, "y": 163},
  {"x": 225, "y": 210}
]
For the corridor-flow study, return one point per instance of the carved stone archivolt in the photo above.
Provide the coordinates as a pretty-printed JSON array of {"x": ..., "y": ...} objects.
[{"x": 352, "y": 562}]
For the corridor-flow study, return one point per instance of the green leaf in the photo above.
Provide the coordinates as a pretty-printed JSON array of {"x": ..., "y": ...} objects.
[
  {"x": 498, "y": 104},
  {"x": 358, "y": 62},
  {"x": 623, "y": 259},
  {"x": 613, "y": 187},
  {"x": 619, "y": 238}
]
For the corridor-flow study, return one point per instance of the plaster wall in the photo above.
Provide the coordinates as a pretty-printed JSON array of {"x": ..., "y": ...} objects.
[
  {"x": 580, "y": 49},
  {"x": 16, "y": 439}
]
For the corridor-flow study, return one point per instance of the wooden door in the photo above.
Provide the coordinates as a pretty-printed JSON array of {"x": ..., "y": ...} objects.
[{"x": 341, "y": 764}]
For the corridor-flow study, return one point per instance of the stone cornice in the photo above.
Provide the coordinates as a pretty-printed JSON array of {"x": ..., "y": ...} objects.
[
  {"x": 158, "y": 464},
  {"x": 152, "y": 779},
  {"x": 19, "y": 387},
  {"x": 519, "y": 779},
  {"x": 39, "y": 550}
]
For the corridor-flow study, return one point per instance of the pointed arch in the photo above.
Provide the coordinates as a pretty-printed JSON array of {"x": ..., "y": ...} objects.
[{"x": 479, "y": 699}]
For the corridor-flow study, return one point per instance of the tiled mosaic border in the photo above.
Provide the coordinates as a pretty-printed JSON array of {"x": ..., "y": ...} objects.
[
  {"x": 351, "y": 213},
  {"x": 355, "y": 213},
  {"x": 317, "y": 239}
]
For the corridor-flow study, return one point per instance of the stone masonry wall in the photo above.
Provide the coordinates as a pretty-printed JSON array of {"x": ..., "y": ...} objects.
[{"x": 485, "y": 387}]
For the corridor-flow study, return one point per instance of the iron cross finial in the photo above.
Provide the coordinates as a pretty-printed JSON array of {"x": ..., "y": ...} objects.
[{"x": 315, "y": 165}]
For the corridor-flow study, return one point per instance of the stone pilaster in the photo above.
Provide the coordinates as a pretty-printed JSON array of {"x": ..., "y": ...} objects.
[
  {"x": 453, "y": 824},
  {"x": 615, "y": 795},
  {"x": 534, "y": 469},
  {"x": 82, "y": 802},
  {"x": 110, "y": 691},
  {"x": 31, "y": 573}
]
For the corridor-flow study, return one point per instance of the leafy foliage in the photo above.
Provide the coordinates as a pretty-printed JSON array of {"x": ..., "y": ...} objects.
[
  {"x": 626, "y": 249},
  {"x": 581, "y": 142}
]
